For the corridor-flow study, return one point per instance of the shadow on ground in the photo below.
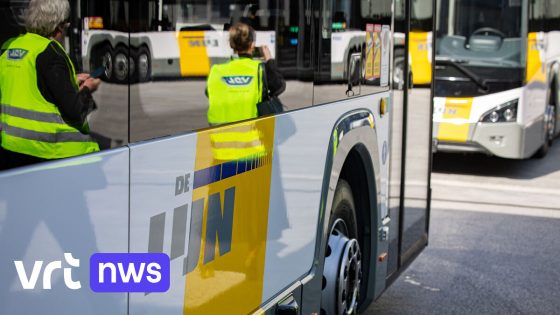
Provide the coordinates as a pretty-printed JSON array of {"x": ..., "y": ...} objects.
[{"x": 483, "y": 165}]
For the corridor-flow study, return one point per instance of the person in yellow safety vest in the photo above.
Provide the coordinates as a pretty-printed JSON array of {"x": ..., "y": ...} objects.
[
  {"x": 43, "y": 103},
  {"x": 234, "y": 89}
]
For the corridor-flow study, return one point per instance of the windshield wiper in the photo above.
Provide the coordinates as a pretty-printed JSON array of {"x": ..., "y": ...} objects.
[{"x": 473, "y": 76}]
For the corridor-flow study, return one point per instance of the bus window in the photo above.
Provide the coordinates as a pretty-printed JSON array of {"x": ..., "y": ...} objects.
[
  {"x": 12, "y": 17},
  {"x": 179, "y": 42},
  {"x": 354, "y": 49},
  {"x": 110, "y": 121}
]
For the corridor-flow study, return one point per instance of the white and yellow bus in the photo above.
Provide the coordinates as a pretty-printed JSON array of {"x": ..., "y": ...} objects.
[
  {"x": 419, "y": 42},
  {"x": 497, "y": 77},
  {"x": 169, "y": 39},
  {"x": 318, "y": 224}
]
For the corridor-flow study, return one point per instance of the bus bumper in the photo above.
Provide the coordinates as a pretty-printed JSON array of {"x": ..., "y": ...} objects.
[{"x": 500, "y": 139}]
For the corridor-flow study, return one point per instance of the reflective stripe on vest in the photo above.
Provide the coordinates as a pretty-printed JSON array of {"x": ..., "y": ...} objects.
[
  {"x": 29, "y": 123},
  {"x": 237, "y": 143},
  {"x": 234, "y": 89}
]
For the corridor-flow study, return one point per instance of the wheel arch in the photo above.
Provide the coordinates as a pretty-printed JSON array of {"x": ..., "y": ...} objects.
[
  {"x": 364, "y": 191},
  {"x": 353, "y": 155}
]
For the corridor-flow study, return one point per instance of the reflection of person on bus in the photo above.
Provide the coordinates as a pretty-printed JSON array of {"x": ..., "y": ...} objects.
[
  {"x": 235, "y": 88},
  {"x": 43, "y": 112}
]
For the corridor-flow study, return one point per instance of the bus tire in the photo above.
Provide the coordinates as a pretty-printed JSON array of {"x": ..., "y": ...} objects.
[
  {"x": 548, "y": 126},
  {"x": 102, "y": 56},
  {"x": 342, "y": 273},
  {"x": 551, "y": 132},
  {"x": 121, "y": 65},
  {"x": 144, "y": 66},
  {"x": 398, "y": 75}
]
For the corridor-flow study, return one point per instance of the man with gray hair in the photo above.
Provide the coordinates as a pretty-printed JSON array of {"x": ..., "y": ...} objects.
[{"x": 44, "y": 104}]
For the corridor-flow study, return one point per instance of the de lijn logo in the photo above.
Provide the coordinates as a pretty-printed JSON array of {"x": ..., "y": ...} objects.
[
  {"x": 134, "y": 272},
  {"x": 109, "y": 272}
]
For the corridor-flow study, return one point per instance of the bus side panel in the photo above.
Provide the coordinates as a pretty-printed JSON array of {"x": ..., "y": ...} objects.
[
  {"x": 301, "y": 148},
  {"x": 157, "y": 211},
  {"x": 533, "y": 102},
  {"x": 77, "y": 206},
  {"x": 264, "y": 237},
  {"x": 208, "y": 214}
]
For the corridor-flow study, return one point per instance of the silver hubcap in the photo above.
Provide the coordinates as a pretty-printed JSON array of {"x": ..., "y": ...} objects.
[
  {"x": 143, "y": 65},
  {"x": 108, "y": 64},
  {"x": 121, "y": 66},
  {"x": 551, "y": 122},
  {"x": 342, "y": 274},
  {"x": 398, "y": 77}
]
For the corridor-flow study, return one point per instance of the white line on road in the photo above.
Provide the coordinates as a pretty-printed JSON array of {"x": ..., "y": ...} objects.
[
  {"x": 500, "y": 187},
  {"x": 498, "y": 209}
]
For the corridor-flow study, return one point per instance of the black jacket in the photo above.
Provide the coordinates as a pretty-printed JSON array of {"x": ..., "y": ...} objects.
[{"x": 55, "y": 86}]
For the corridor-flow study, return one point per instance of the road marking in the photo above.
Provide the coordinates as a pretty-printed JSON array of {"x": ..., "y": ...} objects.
[
  {"x": 408, "y": 279},
  {"x": 501, "y": 187},
  {"x": 498, "y": 209}
]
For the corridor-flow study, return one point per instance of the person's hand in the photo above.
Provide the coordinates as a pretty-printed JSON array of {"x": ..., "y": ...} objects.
[
  {"x": 266, "y": 53},
  {"x": 91, "y": 83},
  {"x": 82, "y": 77}
]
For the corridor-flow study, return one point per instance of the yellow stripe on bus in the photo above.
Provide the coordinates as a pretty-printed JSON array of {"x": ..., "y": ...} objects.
[
  {"x": 232, "y": 283},
  {"x": 535, "y": 67},
  {"x": 419, "y": 55},
  {"x": 457, "y": 109},
  {"x": 194, "y": 59}
]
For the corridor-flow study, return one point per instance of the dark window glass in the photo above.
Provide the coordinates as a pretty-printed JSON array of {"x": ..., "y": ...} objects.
[
  {"x": 99, "y": 42},
  {"x": 174, "y": 47},
  {"x": 353, "y": 49},
  {"x": 102, "y": 114}
]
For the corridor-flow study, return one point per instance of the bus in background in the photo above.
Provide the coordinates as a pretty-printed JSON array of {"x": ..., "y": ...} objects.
[
  {"x": 420, "y": 43},
  {"x": 176, "y": 41},
  {"x": 168, "y": 39},
  {"x": 319, "y": 222},
  {"x": 497, "y": 77}
]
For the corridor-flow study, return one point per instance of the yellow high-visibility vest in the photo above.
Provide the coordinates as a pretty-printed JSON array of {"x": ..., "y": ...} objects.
[
  {"x": 29, "y": 123},
  {"x": 234, "y": 89}
]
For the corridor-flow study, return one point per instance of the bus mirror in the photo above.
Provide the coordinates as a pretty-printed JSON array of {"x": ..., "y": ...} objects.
[{"x": 354, "y": 74}]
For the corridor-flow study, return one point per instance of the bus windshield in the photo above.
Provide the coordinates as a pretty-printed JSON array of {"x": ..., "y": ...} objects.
[{"x": 480, "y": 32}]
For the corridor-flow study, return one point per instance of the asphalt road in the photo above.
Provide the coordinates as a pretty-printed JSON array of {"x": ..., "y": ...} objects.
[{"x": 494, "y": 240}]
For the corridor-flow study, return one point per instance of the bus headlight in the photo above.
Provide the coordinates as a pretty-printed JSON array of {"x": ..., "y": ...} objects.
[{"x": 506, "y": 112}]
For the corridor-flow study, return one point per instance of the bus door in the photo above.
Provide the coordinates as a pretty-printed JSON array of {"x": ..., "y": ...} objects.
[
  {"x": 294, "y": 38},
  {"x": 341, "y": 39},
  {"x": 415, "y": 172}
]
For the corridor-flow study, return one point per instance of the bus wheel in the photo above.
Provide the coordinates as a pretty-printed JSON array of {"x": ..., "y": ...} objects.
[
  {"x": 342, "y": 272},
  {"x": 132, "y": 68},
  {"x": 549, "y": 125},
  {"x": 144, "y": 64},
  {"x": 107, "y": 63},
  {"x": 121, "y": 65},
  {"x": 102, "y": 57},
  {"x": 398, "y": 76}
]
